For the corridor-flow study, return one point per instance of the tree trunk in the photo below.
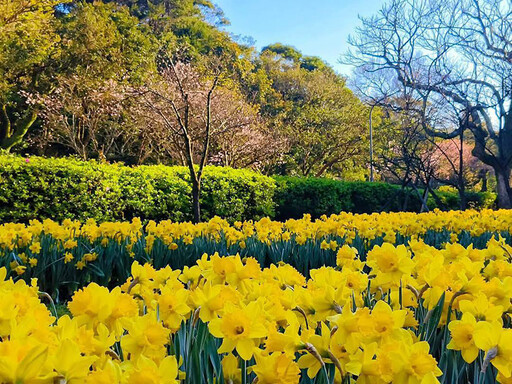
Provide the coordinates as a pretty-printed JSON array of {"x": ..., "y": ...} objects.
[
  {"x": 503, "y": 187},
  {"x": 10, "y": 136},
  {"x": 462, "y": 197},
  {"x": 196, "y": 194},
  {"x": 436, "y": 198},
  {"x": 483, "y": 176},
  {"x": 424, "y": 206},
  {"x": 406, "y": 194},
  {"x": 423, "y": 198}
]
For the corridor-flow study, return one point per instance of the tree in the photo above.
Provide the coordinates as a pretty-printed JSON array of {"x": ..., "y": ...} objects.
[
  {"x": 324, "y": 122},
  {"x": 102, "y": 42},
  {"x": 90, "y": 120},
  {"x": 250, "y": 146},
  {"x": 104, "y": 51},
  {"x": 282, "y": 51},
  {"x": 27, "y": 39},
  {"x": 174, "y": 8},
  {"x": 458, "y": 51},
  {"x": 473, "y": 170},
  {"x": 407, "y": 157},
  {"x": 444, "y": 160},
  {"x": 189, "y": 110}
]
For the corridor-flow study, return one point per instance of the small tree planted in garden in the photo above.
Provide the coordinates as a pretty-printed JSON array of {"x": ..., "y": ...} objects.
[{"x": 186, "y": 110}]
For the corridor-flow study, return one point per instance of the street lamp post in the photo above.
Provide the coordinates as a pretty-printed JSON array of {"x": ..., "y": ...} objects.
[{"x": 371, "y": 143}]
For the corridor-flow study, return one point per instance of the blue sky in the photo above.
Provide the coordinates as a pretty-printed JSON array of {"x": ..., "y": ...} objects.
[{"x": 318, "y": 28}]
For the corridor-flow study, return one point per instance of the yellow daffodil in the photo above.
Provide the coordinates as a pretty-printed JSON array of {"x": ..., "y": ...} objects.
[
  {"x": 462, "y": 333},
  {"x": 276, "y": 368},
  {"x": 240, "y": 328}
]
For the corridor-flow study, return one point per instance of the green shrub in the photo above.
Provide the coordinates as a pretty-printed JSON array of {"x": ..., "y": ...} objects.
[
  {"x": 58, "y": 189},
  {"x": 39, "y": 188},
  {"x": 155, "y": 193},
  {"x": 67, "y": 188},
  {"x": 298, "y": 196},
  {"x": 378, "y": 197},
  {"x": 451, "y": 200}
]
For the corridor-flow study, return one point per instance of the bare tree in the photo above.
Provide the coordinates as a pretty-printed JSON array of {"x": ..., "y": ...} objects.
[
  {"x": 409, "y": 155},
  {"x": 459, "y": 51},
  {"x": 473, "y": 170}
]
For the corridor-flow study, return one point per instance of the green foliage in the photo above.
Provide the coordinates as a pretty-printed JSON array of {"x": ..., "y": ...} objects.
[
  {"x": 296, "y": 197},
  {"x": 39, "y": 188},
  {"x": 154, "y": 193},
  {"x": 59, "y": 188},
  {"x": 235, "y": 194},
  {"x": 103, "y": 41},
  {"x": 27, "y": 40},
  {"x": 312, "y": 63},
  {"x": 324, "y": 122},
  {"x": 451, "y": 200},
  {"x": 170, "y": 8},
  {"x": 285, "y": 51}
]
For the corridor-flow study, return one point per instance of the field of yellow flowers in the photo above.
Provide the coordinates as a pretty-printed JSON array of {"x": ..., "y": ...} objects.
[
  {"x": 383, "y": 298},
  {"x": 69, "y": 255}
]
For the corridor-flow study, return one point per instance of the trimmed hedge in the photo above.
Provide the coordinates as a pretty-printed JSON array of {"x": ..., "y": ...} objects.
[
  {"x": 298, "y": 196},
  {"x": 39, "y": 188},
  {"x": 67, "y": 188}
]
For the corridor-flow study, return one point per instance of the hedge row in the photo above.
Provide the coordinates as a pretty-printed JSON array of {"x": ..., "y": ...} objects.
[
  {"x": 65, "y": 188},
  {"x": 38, "y": 188},
  {"x": 295, "y": 197}
]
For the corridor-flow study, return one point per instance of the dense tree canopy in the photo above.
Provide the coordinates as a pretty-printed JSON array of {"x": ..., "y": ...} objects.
[
  {"x": 74, "y": 72},
  {"x": 28, "y": 38},
  {"x": 326, "y": 124}
]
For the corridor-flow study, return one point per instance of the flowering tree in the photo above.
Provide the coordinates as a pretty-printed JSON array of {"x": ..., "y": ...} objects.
[
  {"x": 88, "y": 119},
  {"x": 188, "y": 112},
  {"x": 473, "y": 170}
]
